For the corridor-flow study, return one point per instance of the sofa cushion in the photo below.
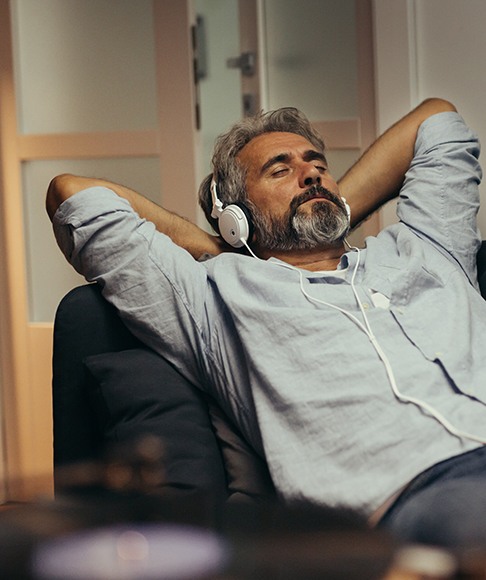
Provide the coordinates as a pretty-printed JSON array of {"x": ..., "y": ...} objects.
[
  {"x": 246, "y": 472},
  {"x": 136, "y": 392}
]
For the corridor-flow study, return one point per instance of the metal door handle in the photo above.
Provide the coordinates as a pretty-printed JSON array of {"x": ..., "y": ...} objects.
[{"x": 246, "y": 62}]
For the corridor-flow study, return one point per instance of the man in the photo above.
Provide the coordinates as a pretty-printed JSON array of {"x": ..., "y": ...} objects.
[{"x": 356, "y": 374}]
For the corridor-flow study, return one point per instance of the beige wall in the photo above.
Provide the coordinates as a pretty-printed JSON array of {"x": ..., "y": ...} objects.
[{"x": 427, "y": 48}]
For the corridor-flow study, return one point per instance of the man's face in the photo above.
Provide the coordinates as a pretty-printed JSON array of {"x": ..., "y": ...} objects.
[{"x": 295, "y": 198}]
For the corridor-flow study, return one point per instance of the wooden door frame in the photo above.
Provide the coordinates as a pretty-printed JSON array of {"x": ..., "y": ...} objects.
[
  {"x": 177, "y": 106},
  {"x": 25, "y": 347},
  {"x": 15, "y": 399}
]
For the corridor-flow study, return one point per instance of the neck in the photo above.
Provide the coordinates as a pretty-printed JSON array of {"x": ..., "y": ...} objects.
[{"x": 322, "y": 258}]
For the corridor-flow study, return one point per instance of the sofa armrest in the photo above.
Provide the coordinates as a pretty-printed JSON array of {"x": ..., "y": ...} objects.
[
  {"x": 85, "y": 324},
  {"x": 108, "y": 388}
]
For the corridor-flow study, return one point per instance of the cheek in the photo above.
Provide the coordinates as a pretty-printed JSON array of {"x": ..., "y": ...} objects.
[
  {"x": 278, "y": 205},
  {"x": 331, "y": 185},
  {"x": 270, "y": 200}
]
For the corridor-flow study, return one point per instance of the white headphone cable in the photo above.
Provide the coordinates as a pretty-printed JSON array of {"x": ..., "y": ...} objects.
[{"x": 366, "y": 328}]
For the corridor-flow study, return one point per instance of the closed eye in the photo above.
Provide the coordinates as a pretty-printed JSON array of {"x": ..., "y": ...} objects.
[{"x": 279, "y": 171}]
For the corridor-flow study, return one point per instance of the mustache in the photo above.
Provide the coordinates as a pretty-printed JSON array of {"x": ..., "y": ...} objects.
[{"x": 314, "y": 192}]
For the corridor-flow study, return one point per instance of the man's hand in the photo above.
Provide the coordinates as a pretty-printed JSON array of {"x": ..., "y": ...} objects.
[{"x": 182, "y": 232}]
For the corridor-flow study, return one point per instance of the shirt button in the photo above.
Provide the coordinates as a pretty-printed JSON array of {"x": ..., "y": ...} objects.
[{"x": 366, "y": 305}]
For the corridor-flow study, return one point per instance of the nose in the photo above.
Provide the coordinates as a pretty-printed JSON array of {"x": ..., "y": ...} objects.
[{"x": 310, "y": 175}]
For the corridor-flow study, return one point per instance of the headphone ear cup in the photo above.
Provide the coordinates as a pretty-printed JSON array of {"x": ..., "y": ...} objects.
[
  {"x": 348, "y": 209},
  {"x": 235, "y": 225}
]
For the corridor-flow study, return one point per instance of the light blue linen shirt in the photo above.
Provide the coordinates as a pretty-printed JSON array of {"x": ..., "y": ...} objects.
[{"x": 300, "y": 378}]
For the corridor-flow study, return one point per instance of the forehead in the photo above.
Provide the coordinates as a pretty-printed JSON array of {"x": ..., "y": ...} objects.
[{"x": 268, "y": 145}]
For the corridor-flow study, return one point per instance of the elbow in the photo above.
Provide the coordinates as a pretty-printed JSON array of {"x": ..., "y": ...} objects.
[
  {"x": 60, "y": 188},
  {"x": 438, "y": 105}
]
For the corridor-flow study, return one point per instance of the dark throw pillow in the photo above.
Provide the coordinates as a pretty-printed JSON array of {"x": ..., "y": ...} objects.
[
  {"x": 246, "y": 472},
  {"x": 135, "y": 393}
]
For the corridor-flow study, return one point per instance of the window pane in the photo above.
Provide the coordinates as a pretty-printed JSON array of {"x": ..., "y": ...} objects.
[{"x": 220, "y": 92}]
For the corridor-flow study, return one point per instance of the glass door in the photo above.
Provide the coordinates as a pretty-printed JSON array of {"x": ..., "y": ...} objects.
[{"x": 90, "y": 87}]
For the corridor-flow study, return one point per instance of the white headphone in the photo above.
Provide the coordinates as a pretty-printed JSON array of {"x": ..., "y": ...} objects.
[
  {"x": 234, "y": 220},
  {"x": 347, "y": 208}
]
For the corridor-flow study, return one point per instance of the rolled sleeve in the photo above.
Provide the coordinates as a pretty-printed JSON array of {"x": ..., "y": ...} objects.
[
  {"x": 440, "y": 196},
  {"x": 79, "y": 220},
  {"x": 157, "y": 287}
]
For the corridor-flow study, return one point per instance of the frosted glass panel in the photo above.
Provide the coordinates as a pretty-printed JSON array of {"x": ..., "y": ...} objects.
[
  {"x": 220, "y": 93},
  {"x": 84, "y": 65},
  {"x": 311, "y": 56},
  {"x": 49, "y": 274}
]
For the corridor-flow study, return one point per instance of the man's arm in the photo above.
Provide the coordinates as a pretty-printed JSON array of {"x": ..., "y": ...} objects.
[
  {"x": 374, "y": 179},
  {"x": 182, "y": 232},
  {"x": 379, "y": 173}
]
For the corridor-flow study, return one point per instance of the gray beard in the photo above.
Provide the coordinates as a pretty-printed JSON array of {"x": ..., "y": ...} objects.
[{"x": 327, "y": 224}]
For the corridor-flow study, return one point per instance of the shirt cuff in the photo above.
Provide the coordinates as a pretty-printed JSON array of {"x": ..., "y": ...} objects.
[{"x": 445, "y": 127}]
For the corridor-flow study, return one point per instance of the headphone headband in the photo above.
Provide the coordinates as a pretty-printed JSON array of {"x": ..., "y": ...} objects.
[
  {"x": 234, "y": 220},
  {"x": 217, "y": 209}
]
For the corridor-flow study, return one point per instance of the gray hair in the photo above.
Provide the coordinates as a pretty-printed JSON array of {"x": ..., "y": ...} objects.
[{"x": 228, "y": 173}]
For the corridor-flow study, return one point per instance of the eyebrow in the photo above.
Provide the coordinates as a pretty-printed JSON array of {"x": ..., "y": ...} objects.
[{"x": 309, "y": 155}]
